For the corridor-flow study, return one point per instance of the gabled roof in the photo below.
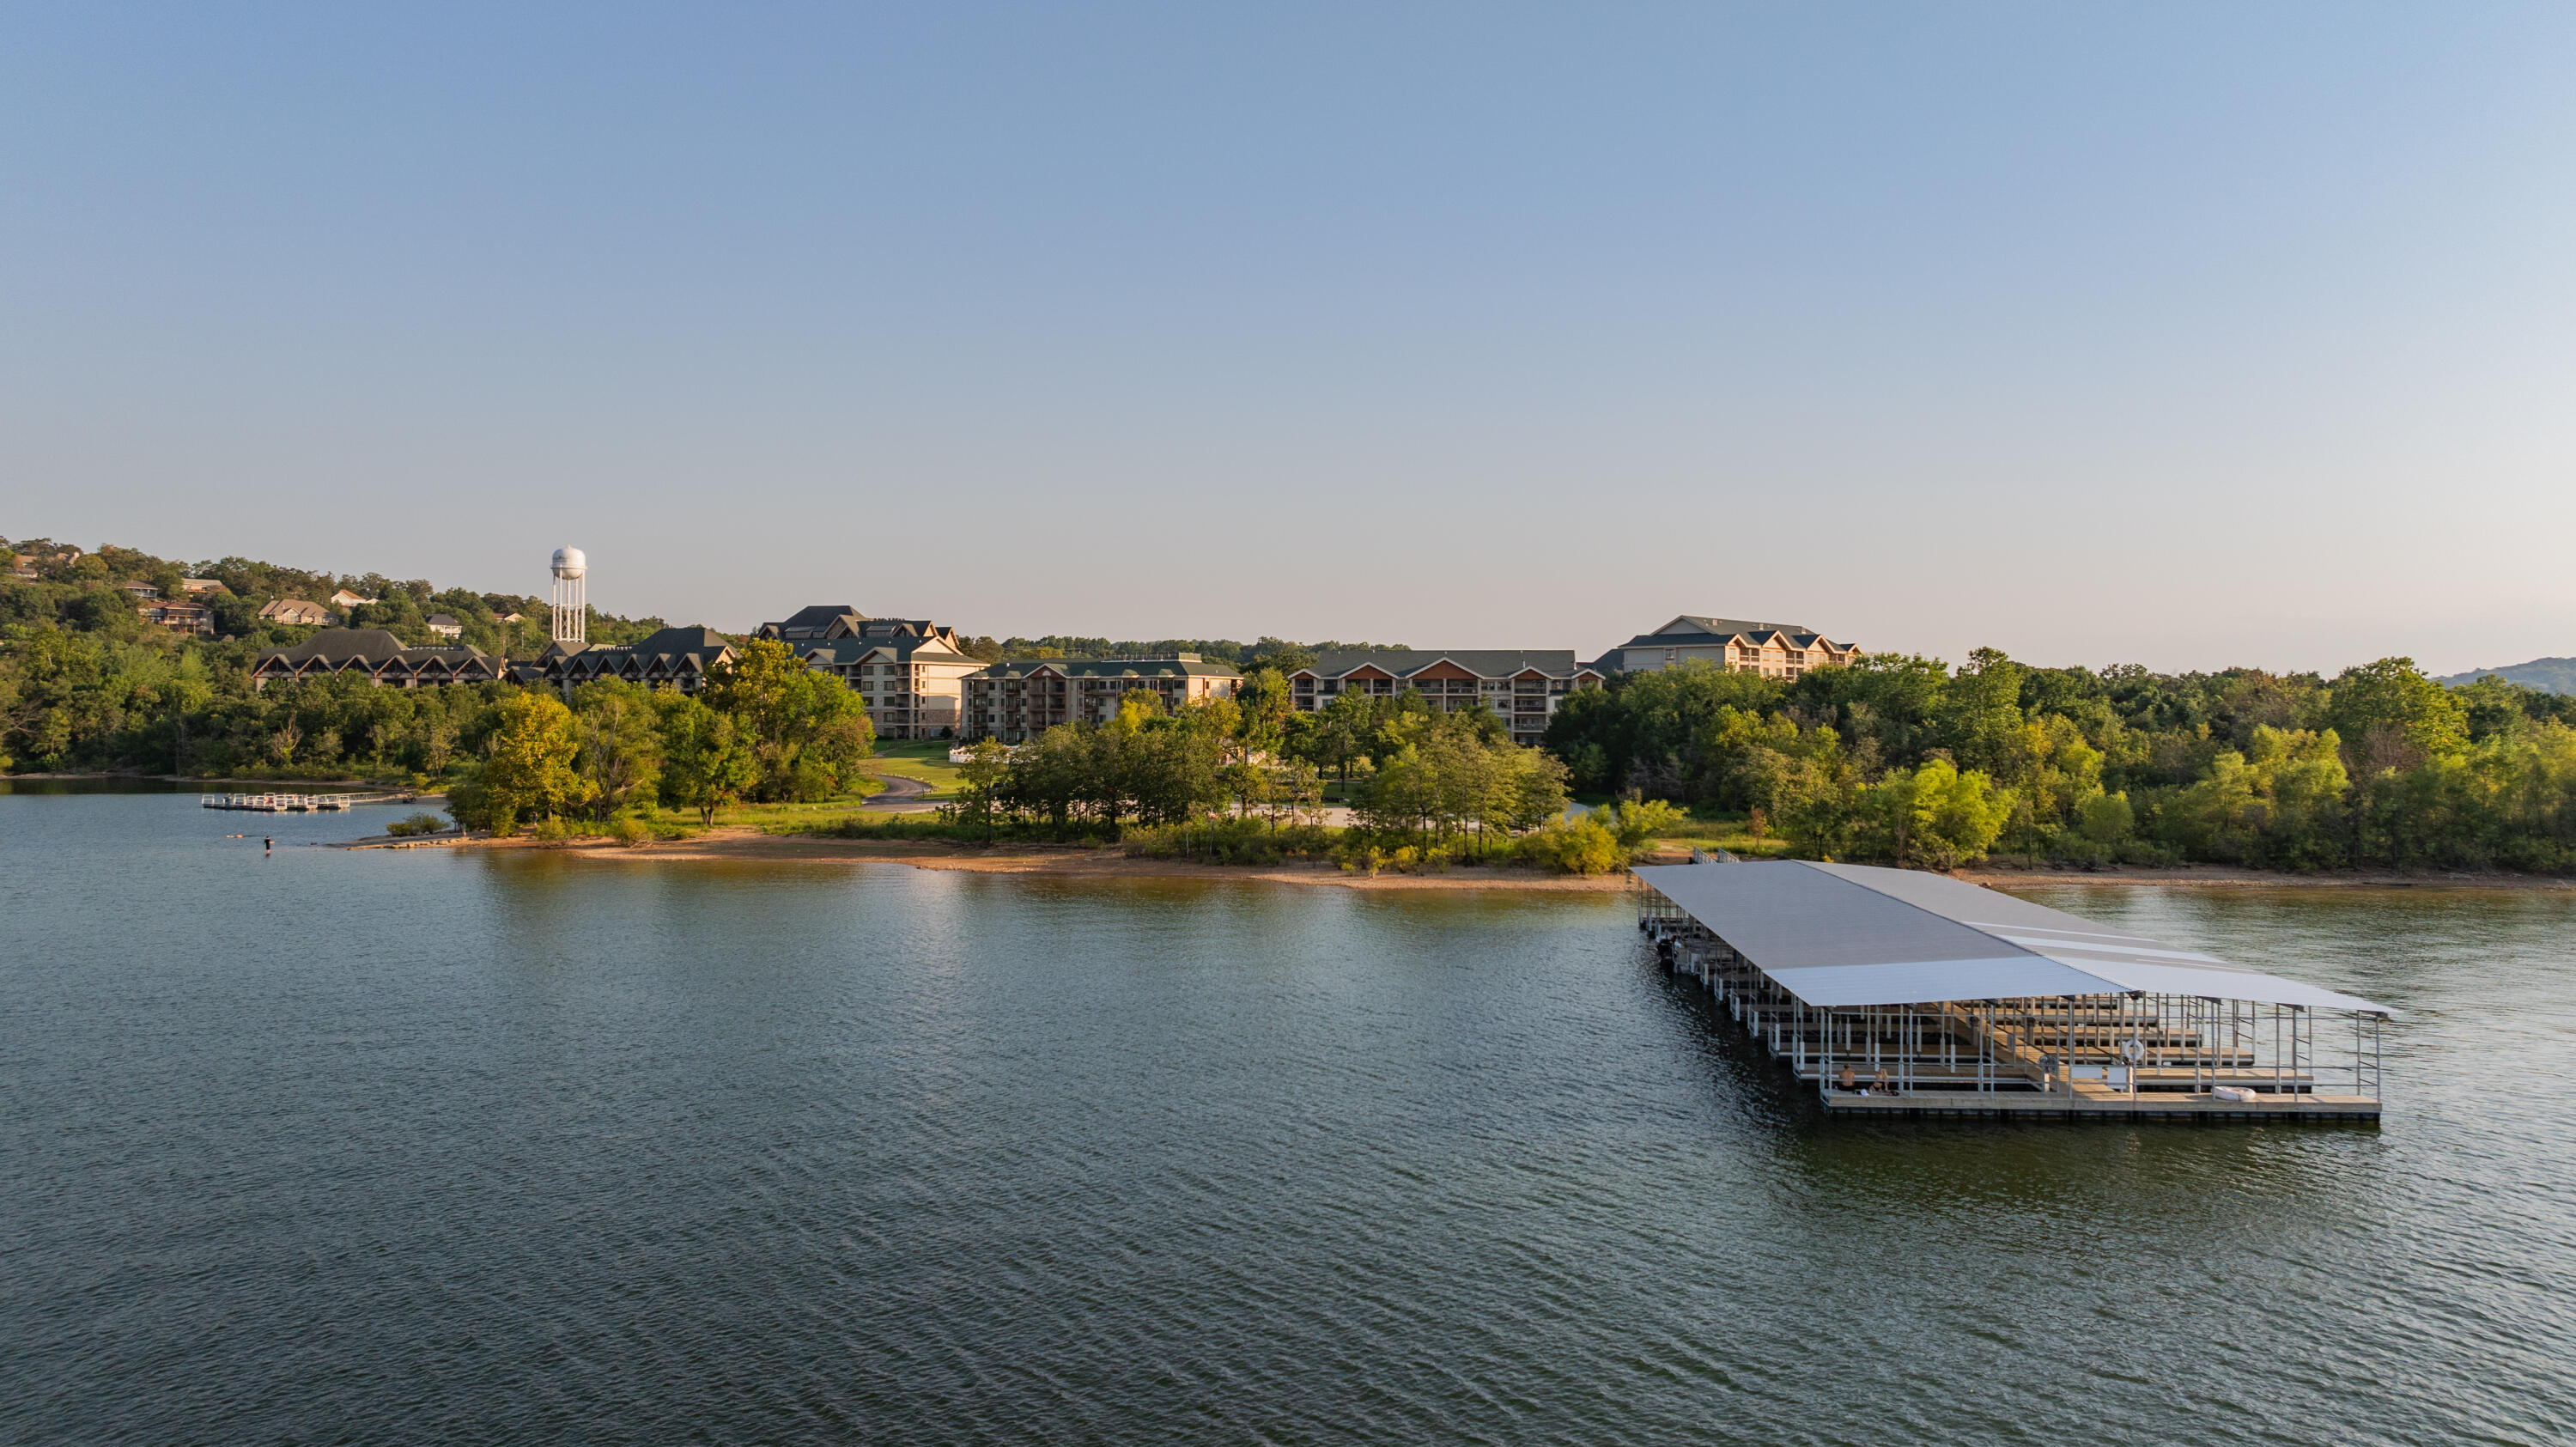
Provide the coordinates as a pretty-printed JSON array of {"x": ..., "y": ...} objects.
[
  {"x": 676, "y": 643},
  {"x": 1847, "y": 934},
  {"x": 906, "y": 648},
  {"x": 1483, "y": 662},
  {"x": 817, "y": 616},
  {"x": 1691, "y": 630},
  {"x": 1191, "y": 667},
  {"x": 1694, "y": 623},
  {"x": 368, "y": 647},
  {"x": 855, "y": 626},
  {"x": 669, "y": 651},
  {"x": 338, "y": 644}
]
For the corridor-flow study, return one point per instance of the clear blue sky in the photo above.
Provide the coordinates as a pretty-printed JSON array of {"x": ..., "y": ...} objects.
[{"x": 2189, "y": 335}]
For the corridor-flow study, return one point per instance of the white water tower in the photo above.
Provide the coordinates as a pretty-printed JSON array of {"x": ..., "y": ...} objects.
[{"x": 571, "y": 620}]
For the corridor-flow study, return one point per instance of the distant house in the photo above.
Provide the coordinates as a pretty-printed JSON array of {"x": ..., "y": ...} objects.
[
  {"x": 911, "y": 671},
  {"x": 346, "y": 599},
  {"x": 1523, "y": 685},
  {"x": 203, "y": 585},
  {"x": 1776, "y": 650},
  {"x": 377, "y": 654},
  {"x": 142, "y": 589},
  {"x": 1017, "y": 701},
  {"x": 296, "y": 613},
  {"x": 23, "y": 565},
  {"x": 678, "y": 658},
  {"x": 180, "y": 617},
  {"x": 445, "y": 627},
  {"x": 513, "y": 616}
]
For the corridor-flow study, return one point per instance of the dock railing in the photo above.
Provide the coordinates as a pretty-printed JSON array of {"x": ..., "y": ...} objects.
[{"x": 280, "y": 803}]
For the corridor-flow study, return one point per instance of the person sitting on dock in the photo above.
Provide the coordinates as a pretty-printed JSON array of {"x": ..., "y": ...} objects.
[
  {"x": 1848, "y": 1082},
  {"x": 1882, "y": 1086}
]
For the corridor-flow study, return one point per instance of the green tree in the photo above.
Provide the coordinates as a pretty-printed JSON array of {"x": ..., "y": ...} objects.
[
  {"x": 988, "y": 762},
  {"x": 1820, "y": 803},
  {"x": 621, "y": 742},
  {"x": 704, "y": 765},
  {"x": 805, "y": 730},
  {"x": 2106, "y": 822},
  {"x": 2392, "y": 718},
  {"x": 527, "y": 768},
  {"x": 1980, "y": 718},
  {"x": 1935, "y": 815},
  {"x": 1266, "y": 703}
]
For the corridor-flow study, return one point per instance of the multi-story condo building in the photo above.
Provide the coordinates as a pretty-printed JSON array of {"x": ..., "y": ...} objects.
[
  {"x": 678, "y": 658},
  {"x": 1779, "y": 650},
  {"x": 1523, "y": 685},
  {"x": 1019, "y": 700},
  {"x": 911, "y": 672},
  {"x": 377, "y": 654}
]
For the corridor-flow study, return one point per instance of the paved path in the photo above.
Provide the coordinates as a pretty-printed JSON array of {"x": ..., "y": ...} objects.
[{"x": 901, "y": 796}]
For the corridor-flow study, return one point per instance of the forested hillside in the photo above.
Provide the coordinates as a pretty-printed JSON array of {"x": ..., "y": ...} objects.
[
  {"x": 2550, "y": 675},
  {"x": 1898, "y": 758},
  {"x": 87, "y": 683},
  {"x": 1903, "y": 758}
]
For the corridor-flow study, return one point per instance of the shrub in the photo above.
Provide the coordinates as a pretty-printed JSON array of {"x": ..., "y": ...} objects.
[
  {"x": 1572, "y": 846},
  {"x": 416, "y": 824},
  {"x": 630, "y": 831},
  {"x": 1637, "y": 821},
  {"x": 948, "y": 828},
  {"x": 1228, "y": 841}
]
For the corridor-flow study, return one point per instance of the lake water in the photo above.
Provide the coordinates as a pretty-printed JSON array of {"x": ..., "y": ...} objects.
[{"x": 431, "y": 1146}]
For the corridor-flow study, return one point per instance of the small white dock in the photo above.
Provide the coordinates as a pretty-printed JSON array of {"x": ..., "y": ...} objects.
[{"x": 298, "y": 803}]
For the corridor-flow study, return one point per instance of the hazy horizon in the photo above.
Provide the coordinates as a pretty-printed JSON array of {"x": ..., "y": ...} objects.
[{"x": 2193, "y": 337}]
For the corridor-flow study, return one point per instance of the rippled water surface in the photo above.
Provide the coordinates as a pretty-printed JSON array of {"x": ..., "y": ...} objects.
[{"x": 424, "y": 1146}]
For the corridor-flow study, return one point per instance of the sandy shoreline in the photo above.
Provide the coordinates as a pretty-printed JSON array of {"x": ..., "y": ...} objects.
[
  {"x": 735, "y": 843},
  {"x": 1053, "y": 862}
]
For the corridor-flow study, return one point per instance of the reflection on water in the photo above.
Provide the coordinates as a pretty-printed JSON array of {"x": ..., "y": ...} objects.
[{"x": 382, "y": 1147}]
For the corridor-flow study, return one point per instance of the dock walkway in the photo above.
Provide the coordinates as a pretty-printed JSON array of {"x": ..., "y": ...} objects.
[{"x": 299, "y": 803}]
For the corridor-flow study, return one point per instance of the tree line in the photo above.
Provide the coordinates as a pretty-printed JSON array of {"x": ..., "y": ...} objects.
[
  {"x": 87, "y": 683},
  {"x": 765, "y": 729},
  {"x": 1898, "y": 758},
  {"x": 1907, "y": 759},
  {"x": 1245, "y": 776}
]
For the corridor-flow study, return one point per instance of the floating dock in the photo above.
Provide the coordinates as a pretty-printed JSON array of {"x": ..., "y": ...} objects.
[
  {"x": 298, "y": 803},
  {"x": 1895, "y": 992}
]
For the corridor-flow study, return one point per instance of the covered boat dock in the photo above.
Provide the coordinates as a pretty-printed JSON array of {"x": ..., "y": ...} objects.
[{"x": 1894, "y": 991}]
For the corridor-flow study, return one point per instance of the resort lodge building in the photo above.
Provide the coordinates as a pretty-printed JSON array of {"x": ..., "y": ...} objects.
[
  {"x": 377, "y": 654},
  {"x": 1525, "y": 686},
  {"x": 677, "y": 658},
  {"x": 1776, "y": 650},
  {"x": 1017, "y": 701},
  {"x": 911, "y": 672}
]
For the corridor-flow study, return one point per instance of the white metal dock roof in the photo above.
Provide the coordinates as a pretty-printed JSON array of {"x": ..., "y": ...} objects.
[{"x": 1847, "y": 934}]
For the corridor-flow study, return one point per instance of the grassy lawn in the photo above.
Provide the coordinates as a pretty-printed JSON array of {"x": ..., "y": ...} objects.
[
  {"x": 923, "y": 759},
  {"x": 761, "y": 816},
  {"x": 1710, "y": 829}
]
